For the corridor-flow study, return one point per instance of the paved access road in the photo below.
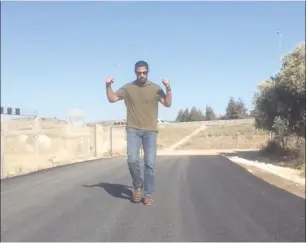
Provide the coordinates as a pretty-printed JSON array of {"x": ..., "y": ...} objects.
[{"x": 198, "y": 198}]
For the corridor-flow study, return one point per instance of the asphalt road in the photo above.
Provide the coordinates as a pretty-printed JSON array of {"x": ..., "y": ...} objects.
[{"x": 198, "y": 198}]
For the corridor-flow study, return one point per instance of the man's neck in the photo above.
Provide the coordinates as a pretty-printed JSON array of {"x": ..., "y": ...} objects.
[{"x": 138, "y": 83}]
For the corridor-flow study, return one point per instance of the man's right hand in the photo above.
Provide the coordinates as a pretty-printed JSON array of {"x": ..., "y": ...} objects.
[
  {"x": 112, "y": 97},
  {"x": 109, "y": 81}
]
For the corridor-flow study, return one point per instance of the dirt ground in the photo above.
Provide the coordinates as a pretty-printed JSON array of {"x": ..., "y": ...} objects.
[
  {"x": 170, "y": 134},
  {"x": 227, "y": 137}
]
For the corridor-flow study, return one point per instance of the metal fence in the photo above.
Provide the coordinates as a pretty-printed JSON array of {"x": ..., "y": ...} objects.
[
  {"x": 247, "y": 121},
  {"x": 218, "y": 137},
  {"x": 10, "y": 117},
  {"x": 30, "y": 143}
]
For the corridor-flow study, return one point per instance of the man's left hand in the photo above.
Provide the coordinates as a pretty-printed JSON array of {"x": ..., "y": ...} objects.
[{"x": 166, "y": 83}]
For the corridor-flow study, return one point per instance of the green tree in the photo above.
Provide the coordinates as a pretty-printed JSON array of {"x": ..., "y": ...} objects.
[
  {"x": 281, "y": 99},
  {"x": 201, "y": 115},
  {"x": 231, "y": 110},
  {"x": 210, "y": 115},
  {"x": 179, "y": 117},
  {"x": 194, "y": 116},
  {"x": 242, "y": 111},
  {"x": 186, "y": 115},
  {"x": 235, "y": 109}
]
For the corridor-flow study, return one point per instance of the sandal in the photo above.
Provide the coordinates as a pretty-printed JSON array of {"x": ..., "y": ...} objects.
[
  {"x": 137, "y": 195},
  {"x": 148, "y": 201}
]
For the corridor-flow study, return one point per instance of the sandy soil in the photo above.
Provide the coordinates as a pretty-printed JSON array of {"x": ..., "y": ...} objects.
[
  {"x": 170, "y": 134},
  {"x": 227, "y": 137}
]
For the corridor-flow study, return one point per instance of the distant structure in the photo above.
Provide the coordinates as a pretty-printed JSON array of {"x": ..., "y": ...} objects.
[
  {"x": 17, "y": 111},
  {"x": 10, "y": 111},
  {"x": 77, "y": 116},
  {"x": 120, "y": 123}
]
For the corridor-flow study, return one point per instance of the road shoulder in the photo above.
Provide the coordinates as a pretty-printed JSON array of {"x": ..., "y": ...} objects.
[
  {"x": 291, "y": 186},
  {"x": 288, "y": 179}
]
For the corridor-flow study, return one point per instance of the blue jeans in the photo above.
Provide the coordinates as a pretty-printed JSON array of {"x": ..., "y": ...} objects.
[{"x": 136, "y": 138}]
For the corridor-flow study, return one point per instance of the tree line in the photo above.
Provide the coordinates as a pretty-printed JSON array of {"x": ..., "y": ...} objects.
[
  {"x": 235, "y": 110},
  {"x": 279, "y": 106}
]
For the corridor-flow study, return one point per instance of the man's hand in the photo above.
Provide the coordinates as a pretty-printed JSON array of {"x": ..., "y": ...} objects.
[
  {"x": 112, "y": 97},
  {"x": 166, "y": 83},
  {"x": 166, "y": 100},
  {"x": 109, "y": 81}
]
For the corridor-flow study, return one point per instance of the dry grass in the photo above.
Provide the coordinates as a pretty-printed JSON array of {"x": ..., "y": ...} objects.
[
  {"x": 228, "y": 137},
  {"x": 232, "y": 130},
  {"x": 171, "y": 133}
]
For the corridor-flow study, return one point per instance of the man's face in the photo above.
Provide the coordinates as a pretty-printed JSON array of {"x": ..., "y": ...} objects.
[{"x": 141, "y": 74}]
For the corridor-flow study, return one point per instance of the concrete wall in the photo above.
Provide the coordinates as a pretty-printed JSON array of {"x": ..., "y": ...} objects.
[
  {"x": 118, "y": 141},
  {"x": 30, "y": 145},
  {"x": 247, "y": 121}
]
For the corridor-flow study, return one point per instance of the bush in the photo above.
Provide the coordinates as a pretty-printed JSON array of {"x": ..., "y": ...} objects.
[
  {"x": 287, "y": 148},
  {"x": 275, "y": 147}
]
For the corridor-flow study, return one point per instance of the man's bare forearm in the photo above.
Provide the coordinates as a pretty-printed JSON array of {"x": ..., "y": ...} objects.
[
  {"x": 112, "y": 97},
  {"x": 168, "y": 98}
]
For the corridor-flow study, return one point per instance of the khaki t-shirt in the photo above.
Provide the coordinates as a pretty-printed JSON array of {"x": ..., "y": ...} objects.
[{"x": 142, "y": 104}]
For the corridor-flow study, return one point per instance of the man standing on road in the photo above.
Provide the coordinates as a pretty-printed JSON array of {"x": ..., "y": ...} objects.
[{"x": 141, "y": 98}]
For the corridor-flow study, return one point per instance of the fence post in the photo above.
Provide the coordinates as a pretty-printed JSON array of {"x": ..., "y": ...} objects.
[
  {"x": 36, "y": 132},
  {"x": 88, "y": 132},
  {"x": 95, "y": 140},
  {"x": 111, "y": 149},
  {"x": 237, "y": 139},
  {"x": 3, "y": 147}
]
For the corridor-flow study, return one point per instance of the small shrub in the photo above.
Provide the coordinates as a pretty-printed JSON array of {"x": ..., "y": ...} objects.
[
  {"x": 283, "y": 149},
  {"x": 275, "y": 147}
]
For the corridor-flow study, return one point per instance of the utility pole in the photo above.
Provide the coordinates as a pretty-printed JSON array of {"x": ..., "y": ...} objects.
[{"x": 280, "y": 45}]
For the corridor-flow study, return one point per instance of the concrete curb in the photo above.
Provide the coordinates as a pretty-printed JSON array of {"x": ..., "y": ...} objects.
[{"x": 285, "y": 173}]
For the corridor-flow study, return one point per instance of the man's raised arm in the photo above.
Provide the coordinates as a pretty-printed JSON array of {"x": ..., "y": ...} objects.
[
  {"x": 112, "y": 96},
  {"x": 166, "y": 99}
]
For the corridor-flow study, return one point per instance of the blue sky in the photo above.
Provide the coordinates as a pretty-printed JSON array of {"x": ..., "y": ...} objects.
[{"x": 56, "y": 55}]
